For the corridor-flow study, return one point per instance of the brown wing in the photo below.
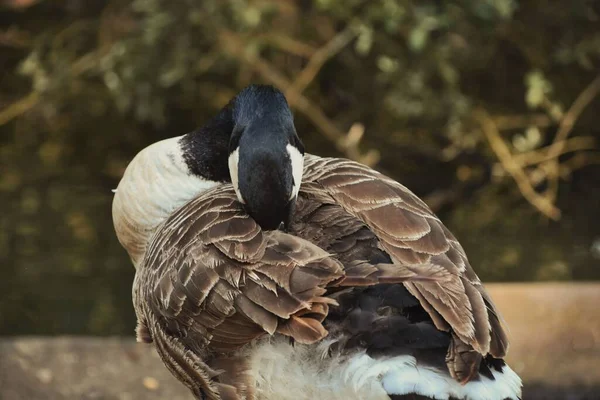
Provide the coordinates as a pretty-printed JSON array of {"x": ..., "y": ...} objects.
[
  {"x": 213, "y": 277},
  {"x": 409, "y": 232},
  {"x": 212, "y": 281},
  {"x": 212, "y": 273}
]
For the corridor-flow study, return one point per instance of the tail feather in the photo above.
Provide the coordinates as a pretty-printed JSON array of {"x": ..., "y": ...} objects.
[
  {"x": 386, "y": 333},
  {"x": 410, "y": 378}
]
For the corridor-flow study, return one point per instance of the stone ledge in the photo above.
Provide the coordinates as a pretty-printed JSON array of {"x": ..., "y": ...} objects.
[
  {"x": 555, "y": 348},
  {"x": 554, "y": 331},
  {"x": 84, "y": 368}
]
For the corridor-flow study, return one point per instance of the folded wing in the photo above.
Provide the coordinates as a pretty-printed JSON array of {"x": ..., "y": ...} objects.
[{"x": 412, "y": 236}]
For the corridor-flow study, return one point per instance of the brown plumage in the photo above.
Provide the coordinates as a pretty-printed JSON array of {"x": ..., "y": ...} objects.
[
  {"x": 212, "y": 281},
  {"x": 409, "y": 232}
]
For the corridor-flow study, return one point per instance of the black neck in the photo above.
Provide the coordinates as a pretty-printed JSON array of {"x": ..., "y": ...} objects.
[{"x": 206, "y": 150}]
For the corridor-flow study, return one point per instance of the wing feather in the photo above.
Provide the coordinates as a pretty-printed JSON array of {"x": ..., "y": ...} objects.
[
  {"x": 409, "y": 232},
  {"x": 211, "y": 271}
]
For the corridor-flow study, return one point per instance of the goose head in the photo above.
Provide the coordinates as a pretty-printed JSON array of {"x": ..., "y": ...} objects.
[
  {"x": 266, "y": 156},
  {"x": 251, "y": 142}
]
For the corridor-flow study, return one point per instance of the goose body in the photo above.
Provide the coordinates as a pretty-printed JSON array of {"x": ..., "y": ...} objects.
[{"x": 344, "y": 287}]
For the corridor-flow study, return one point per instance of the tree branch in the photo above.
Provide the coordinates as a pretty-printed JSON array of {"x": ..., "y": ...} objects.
[
  {"x": 78, "y": 67},
  {"x": 289, "y": 45},
  {"x": 578, "y": 161},
  {"x": 497, "y": 144},
  {"x": 19, "y": 107},
  {"x": 317, "y": 61},
  {"x": 542, "y": 155},
  {"x": 566, "y": 126},
  {"x": 16, "y": 38},
  {"x": 571, "y": 116},
  {"x": 510, "y": 122}
]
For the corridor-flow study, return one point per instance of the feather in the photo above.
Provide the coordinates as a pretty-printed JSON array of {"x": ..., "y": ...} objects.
[
  {"x": 365, "y": 262},
  {"x": 480, "y": 319},
  {"x": 462, "y": 360},
  {"x": 412, "y": 236},
  {"x": 266, "y": 320},
  {"x": 303, "y": 330}
]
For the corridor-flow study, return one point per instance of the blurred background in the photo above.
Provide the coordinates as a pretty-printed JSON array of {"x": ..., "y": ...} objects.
[{"x": 486, "y": 109}]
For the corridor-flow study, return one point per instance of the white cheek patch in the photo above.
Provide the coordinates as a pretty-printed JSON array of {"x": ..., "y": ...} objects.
[
  {"x": 297, "y": 160},
  {"x": 234, "y": 159}
]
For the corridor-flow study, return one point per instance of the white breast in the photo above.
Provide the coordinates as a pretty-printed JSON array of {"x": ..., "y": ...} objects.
[{"x": 155, "y": 183}]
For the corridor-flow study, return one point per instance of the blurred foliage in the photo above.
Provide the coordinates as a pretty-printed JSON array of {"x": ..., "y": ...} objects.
[{"x": 86, "y": 84}]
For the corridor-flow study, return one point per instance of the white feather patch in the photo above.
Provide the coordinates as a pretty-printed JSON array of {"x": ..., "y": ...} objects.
[
  {"x": 405, "y": 376},
  {"x": 234, "y": 160},
  {"x": 297, "y": 160},
  {"x": 156, "y": 183},
  {"x": 283, "y": 371}
]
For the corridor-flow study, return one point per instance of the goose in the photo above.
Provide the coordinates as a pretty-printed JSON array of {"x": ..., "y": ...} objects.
[{"x": 264, "y": 272}]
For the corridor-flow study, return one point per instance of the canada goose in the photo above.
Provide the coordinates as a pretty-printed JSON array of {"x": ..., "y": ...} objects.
[{"x": 254, "y": 287}]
